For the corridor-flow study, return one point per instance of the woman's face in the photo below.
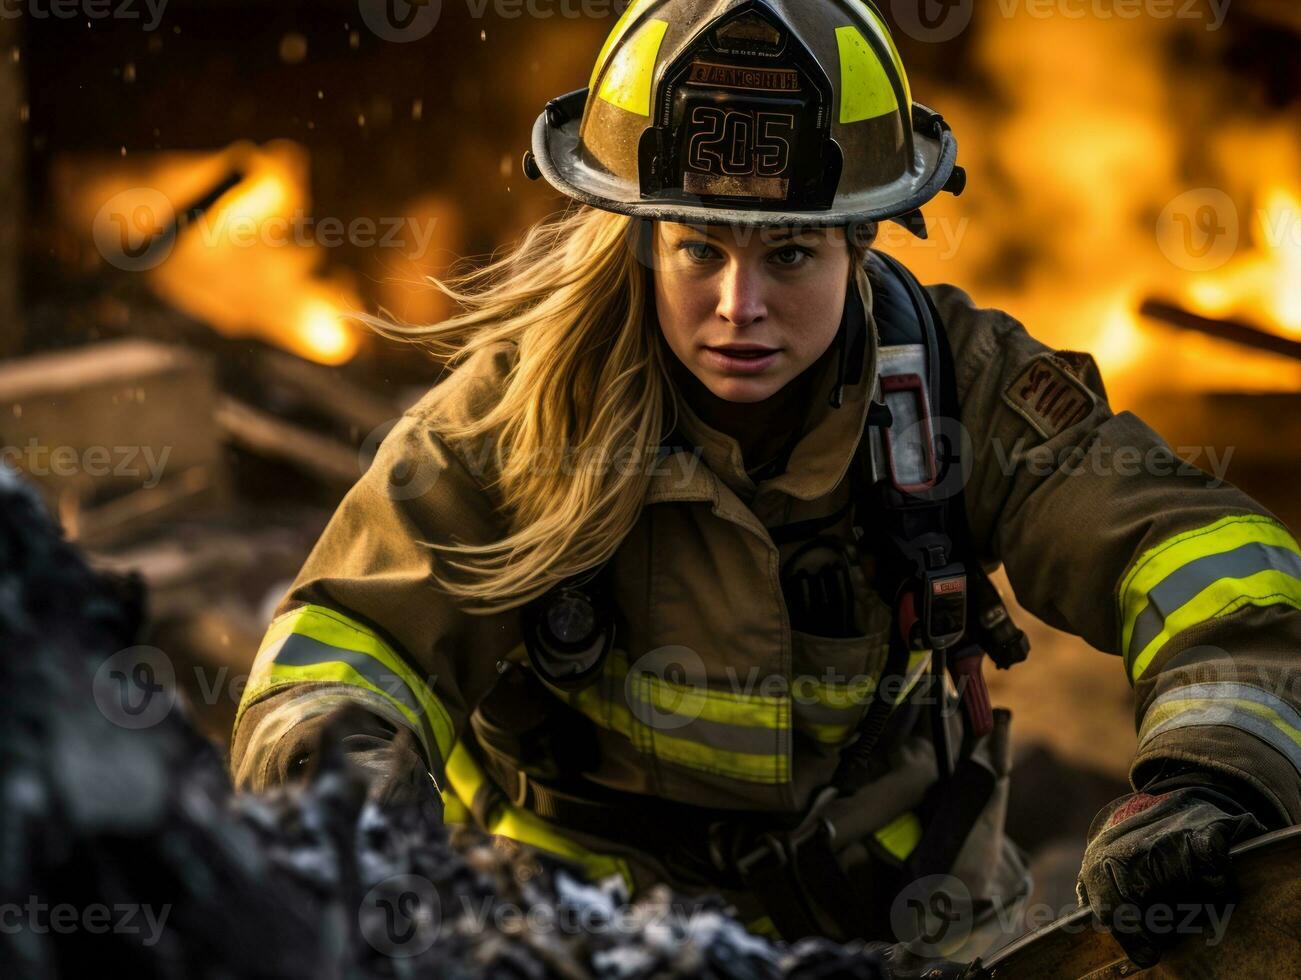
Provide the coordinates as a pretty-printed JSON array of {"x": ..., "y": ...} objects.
[{"x": 747, "y": 310}]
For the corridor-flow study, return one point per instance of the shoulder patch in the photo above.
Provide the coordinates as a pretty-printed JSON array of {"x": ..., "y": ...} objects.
[{"x": 1049, "y": 396}]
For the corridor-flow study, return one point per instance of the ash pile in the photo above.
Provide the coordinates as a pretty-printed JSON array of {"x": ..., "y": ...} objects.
[{"x": 123, "y": 846}]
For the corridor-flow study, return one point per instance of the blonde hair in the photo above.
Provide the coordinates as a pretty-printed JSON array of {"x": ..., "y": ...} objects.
[{"x": 591, "y": 381}]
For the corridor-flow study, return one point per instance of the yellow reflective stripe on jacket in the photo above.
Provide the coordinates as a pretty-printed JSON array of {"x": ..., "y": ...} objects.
[
  {"x": 901, "y": 835},
  {"x": 313, "y": 643},
  {"x": 744, "y": 736},
  {"x": 830, "y": 712},
  {"x": 1246, "y": 707},
  {"x": 1202, "y": 574},
  {"x": 465, "y": 780}
]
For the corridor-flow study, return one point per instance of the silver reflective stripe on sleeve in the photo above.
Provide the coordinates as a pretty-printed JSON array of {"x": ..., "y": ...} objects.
[
  {"x": 1246, "y": 707},
  {"x": 303, "y": 651},
  {"x": 290, "y": 711},
  {"x": 1188, "y": 582}
]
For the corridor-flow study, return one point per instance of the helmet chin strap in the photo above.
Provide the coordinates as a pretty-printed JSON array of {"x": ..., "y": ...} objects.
[{"x": 851, "y": 338}]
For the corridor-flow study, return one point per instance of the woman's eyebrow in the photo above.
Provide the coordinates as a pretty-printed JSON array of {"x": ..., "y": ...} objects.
[{"x": 767, "y": 237}]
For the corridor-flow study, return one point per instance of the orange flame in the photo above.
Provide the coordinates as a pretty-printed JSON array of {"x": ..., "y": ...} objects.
[{"x": 250, "y": 264}]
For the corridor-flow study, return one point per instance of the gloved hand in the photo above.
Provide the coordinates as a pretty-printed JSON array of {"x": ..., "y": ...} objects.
[
  {"x": 1161, "y": 848},
  {"x": 391, "y": 759}
]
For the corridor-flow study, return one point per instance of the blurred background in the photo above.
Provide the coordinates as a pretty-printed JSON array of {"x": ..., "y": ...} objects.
[{"x": 197, "y": 193}]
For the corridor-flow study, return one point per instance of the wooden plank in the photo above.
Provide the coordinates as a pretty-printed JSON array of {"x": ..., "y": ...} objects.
[
  {"x": 106, "y": 420},
  {"x": 263, "y": 434}
]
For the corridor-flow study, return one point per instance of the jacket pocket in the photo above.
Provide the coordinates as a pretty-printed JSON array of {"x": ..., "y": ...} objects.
[{"x": 833, "y": 680}]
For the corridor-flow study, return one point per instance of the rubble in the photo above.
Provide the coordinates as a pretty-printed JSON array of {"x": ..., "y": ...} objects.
[{"x": 105, "y": 809}]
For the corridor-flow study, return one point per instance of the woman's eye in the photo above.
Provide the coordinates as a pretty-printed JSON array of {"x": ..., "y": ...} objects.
[
  {"x": 791, "y": 257},
  {"x": 698, "y": 251}
]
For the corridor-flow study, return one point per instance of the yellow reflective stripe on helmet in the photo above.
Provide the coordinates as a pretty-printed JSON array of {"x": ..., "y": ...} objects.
[
  {"x": 883, "y": 32},
  {"x": 1246, "y": 707},
  {"x": 616, "y": 33},
  {"x": 464, "y": 778},
  {"x": 335, "y": 639},
  {"x": 865, "y": 88},
  {"x": 627, "y": 82},
  {"x": 1203, "y": 574},
  {"x": 901, "y": 835}
]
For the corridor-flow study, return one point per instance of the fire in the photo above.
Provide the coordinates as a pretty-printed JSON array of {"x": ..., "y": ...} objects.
[
  {"x": 1076, "y": 140},
  {"x": 1263, "y": 286},
  {"x": 1121, "y": 342},
  {"x": 233, "y": 242},
  {"x": 322, "y": 332}
]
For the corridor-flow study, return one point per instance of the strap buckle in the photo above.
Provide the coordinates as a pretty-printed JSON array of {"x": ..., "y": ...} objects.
[{"x": 774, "y": 848}]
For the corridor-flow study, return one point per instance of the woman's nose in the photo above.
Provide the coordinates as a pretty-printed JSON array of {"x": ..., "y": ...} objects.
[{"x": 740, "y": 299}]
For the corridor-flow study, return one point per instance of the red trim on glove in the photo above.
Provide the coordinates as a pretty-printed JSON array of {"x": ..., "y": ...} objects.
[{"x": 1134, "y": 805}]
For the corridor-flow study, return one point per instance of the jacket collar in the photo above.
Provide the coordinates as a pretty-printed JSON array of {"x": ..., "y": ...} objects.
[{"x": 818, "y": 463}]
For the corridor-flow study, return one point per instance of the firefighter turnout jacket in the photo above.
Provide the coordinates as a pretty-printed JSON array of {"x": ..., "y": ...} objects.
[{"x": 1189, "y": 583}]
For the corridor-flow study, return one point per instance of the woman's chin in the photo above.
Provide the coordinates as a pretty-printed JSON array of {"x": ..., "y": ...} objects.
[{"x": 744, "y": 390}]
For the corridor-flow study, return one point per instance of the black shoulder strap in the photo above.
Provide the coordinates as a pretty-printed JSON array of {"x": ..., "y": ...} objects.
[
  {"x": 911, "y": 507},
  {"x": 907, "y": 315},
  {"x": 910, "y": 458}
]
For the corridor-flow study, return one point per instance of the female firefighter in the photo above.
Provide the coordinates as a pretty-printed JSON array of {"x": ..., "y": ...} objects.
[{"x": 667, "y": 576}]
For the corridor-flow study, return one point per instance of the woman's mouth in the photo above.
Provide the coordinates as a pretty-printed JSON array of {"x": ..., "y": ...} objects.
[{"x": 742, "y": 358}]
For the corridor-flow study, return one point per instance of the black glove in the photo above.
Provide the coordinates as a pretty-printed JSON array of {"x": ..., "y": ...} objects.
[
  {"x": 391, "y": 759},
  {"x": 1161, "y": 847}
]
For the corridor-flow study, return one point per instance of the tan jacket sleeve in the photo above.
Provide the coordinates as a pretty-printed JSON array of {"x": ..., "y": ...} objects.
[
  {"x": 1105, "y": 533},
  {"x": 364, "y": 622}
]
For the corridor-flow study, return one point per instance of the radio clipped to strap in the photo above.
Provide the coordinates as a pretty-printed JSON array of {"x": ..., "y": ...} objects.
[
  {"x": 914, "y": 480},
  {"x": 921, "y": 567}
]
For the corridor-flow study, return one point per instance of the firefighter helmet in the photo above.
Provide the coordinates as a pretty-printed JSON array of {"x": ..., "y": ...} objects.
[{"x": 754, "y": 112}]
